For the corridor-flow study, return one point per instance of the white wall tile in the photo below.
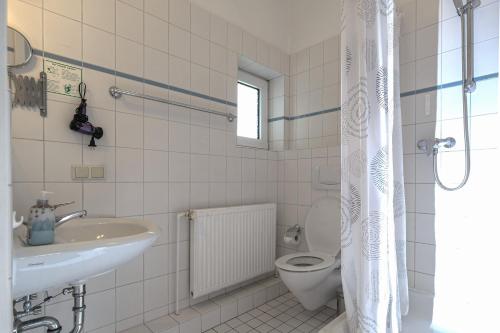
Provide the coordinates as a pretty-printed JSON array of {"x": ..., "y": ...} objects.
[
  {"x": 179, "y": 42},
  {"x": 179, "y": 167},
  {"x": 156, "y": 134},
  {"x": 234, "y": 38},
  {"x": 129, "y": 22},
  {"x": 218, "y": 57},
  {"x": 200, "y": 140},
  {"x": 199, "y": 194},
  {"x": 130, "y": 272},
  {"x": 200, "y": 21},
  {"x": 129, "y": 300},
  {"x": 200, "y": 51},
  {"x": 155, "y": 198},
  {"x": 218, "y": 30},
  {"x": 27, "y": 157},
  {"x": 129, "y": 57},
  {"x": 129, "y": 165},
  {"x": 179, "y": 74},
  {"x": 425, "y": 261},
  {"x": 156, "y": 261},
  {"x": 100, "y": 14},
  {"x": 93, "y": 194},
  {"x": 158, "y": 8},
  {"x": 156, "y": 33},
  {"x": 178, "y": 197},
  {"x": 94, "y": 41},
  {"x": 155, "y": 65},
  {"x": 129, "y": 199},
  {"x": 179, "y": 12},
  {"x": 155, "y": 293},
  {"x": 425, "y": 229},
  {"x": 179, "y": 137},
  {"x": 59, "y": 157},
  {"x": 100, "y": 309}
]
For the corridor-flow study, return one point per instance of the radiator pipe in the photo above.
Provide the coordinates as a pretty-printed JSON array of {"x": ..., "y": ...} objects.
[{"x": 189, "y": 215}]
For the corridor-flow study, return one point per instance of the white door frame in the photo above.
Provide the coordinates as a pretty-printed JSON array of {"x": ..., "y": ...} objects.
[{"x": 5, "y": 184}]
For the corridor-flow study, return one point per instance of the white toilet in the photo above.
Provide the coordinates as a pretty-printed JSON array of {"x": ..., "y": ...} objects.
[{"x": 314, "y": 277}]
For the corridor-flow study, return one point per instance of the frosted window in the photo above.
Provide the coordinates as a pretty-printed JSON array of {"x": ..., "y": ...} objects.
[{"x": 248, "y": 111}]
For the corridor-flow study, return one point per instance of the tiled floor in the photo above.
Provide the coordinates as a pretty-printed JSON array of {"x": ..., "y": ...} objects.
[{"x": 281, "y": 315}]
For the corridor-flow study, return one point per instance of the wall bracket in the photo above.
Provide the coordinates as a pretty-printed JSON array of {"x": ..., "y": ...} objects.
[{"x": 30, "y": 92}]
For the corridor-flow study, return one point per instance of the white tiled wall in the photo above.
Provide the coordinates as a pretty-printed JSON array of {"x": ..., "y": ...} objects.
[
  {"x": 315, "y": 87},
  {"x": 159, "y": 159},
  {"x": 295, "y": 191},
  {"x": 430, "y": 55}
]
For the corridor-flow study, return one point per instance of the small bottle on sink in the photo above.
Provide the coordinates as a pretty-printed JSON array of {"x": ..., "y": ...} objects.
[{"x": 41, "y": 221}]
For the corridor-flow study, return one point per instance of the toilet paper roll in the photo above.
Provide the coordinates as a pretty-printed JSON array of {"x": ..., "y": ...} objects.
[{"x": 292, "y": 240}]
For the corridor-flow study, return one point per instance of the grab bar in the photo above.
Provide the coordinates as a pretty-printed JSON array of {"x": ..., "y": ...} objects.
[{"x": 117, "y": 93}]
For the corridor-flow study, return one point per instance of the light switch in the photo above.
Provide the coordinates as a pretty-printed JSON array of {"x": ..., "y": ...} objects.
[
  {"x": 80, "y": 172},
  {"x": 96, "y": 172}
]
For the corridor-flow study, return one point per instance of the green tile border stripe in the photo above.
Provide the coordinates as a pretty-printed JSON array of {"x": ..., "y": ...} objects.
[
  {"x": 447, "y": 85},
  {"x": 130, "y": 77},
  {"x": 405, "y": 94},
  {"x": 229, "y": 103}
]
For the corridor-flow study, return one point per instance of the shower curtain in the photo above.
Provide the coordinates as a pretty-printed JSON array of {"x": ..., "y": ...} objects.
[{"x": 373, "y": 205}]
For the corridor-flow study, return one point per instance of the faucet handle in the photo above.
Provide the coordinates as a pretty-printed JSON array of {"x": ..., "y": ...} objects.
[{"x": 63, "y": 204}]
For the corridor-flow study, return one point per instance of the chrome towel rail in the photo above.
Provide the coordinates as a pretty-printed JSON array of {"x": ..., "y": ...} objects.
[{"x": 117, "y": 93}]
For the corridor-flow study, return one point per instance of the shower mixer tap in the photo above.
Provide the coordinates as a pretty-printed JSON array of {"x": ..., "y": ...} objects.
[{"x": 431, "y": 146}]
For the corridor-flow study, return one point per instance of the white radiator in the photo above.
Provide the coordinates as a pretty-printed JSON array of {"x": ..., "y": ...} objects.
[{"x": 230, "y": 245}]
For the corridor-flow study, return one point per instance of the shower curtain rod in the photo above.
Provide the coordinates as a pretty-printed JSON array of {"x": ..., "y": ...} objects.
[{"x": 117, "y": 93}]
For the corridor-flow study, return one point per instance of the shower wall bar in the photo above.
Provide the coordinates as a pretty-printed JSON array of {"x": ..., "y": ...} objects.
[{"x": 117, "y": 93}]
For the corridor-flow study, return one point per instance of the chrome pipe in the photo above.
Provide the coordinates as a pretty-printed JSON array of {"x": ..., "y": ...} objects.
[
  {"x": 78, "y": 293},
  {"x": 50, "y": 323},
  {"x": 117, "y": 93},
  {"x": 469, "y": 84}
]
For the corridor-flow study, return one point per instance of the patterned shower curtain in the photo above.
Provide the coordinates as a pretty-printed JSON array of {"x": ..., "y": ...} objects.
[{"x": 373, "y": 204}]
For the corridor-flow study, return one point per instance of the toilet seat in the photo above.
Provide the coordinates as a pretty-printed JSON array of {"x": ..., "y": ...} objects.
[{"x": 305, "y": 261}]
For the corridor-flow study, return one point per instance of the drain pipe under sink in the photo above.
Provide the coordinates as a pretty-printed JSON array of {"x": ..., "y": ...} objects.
[
  {"x": 52, "y": 325},
  {"x": 78, "y": 293}
]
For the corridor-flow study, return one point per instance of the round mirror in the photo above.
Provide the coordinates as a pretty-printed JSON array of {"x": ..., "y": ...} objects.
[{"x": 19, "y": 51}]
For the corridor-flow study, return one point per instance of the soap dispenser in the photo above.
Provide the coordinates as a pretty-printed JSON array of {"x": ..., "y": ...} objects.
[{"x": 41, "y": 221}]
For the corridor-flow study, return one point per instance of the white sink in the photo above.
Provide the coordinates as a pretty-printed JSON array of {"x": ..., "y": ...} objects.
[{"x": 83, "y": 248}]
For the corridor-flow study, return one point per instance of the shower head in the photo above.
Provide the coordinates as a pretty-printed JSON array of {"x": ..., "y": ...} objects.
[{"x": 458, "y": 4}]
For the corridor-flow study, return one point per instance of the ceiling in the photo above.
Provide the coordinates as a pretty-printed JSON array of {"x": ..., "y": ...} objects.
[{"x": 290, "y": 25}]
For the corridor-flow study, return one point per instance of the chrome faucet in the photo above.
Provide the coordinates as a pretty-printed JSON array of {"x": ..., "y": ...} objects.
[{"x": 60, "y": 220}]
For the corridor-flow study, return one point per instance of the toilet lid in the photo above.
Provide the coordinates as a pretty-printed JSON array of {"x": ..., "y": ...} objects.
[{"x": 322, "y": 226}]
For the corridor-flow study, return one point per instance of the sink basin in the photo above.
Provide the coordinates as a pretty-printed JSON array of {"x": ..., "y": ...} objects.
[{"x": 83, "y": 248}]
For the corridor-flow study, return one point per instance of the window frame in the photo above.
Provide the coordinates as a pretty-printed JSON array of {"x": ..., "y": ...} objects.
[{"x": 263, "y": 86}]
